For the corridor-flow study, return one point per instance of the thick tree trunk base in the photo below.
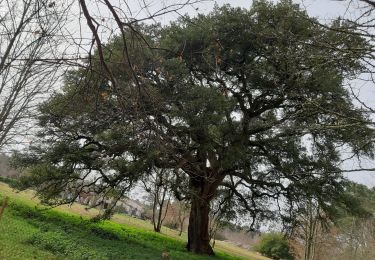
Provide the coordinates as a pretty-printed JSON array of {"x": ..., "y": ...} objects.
[
  {"x": 201, "y": 250},
  {"x": 198, "y": 237}
]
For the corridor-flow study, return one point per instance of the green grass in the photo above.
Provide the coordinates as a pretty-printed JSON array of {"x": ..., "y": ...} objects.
[
  {"x": 27, "y": 232},
  {"x": 14, "y": 232}
]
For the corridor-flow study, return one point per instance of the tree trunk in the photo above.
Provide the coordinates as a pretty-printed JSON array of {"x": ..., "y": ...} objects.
[
  {"x": 198, "y": 237},
  {"x": 154, "y": 211},
  {"x": 161, "y": 206},
  {"x": 181, "y": 225},
  {"x": 203, "y": 187}
]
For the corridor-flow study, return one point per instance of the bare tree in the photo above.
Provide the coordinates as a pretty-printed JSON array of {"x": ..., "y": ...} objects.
[
  {"x": 311, "y": 228},
  {"x": 158, "y": 185},
  {"x": 38, "y": 37},
  {"x": 29, "y": 51},
  {"x": 182, "y": 215}
]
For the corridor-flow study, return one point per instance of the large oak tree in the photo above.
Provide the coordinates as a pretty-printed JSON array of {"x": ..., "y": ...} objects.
[{"x": 250, "y": 105}]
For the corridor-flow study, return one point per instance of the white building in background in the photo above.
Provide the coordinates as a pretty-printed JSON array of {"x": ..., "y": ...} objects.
[{"x": 125, "y": 205}]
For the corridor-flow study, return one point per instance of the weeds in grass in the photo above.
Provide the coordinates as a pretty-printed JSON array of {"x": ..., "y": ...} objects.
[{"x": 3, "y": 206}]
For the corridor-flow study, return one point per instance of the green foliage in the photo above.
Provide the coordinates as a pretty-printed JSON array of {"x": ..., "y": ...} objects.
[
  {"x": 10, "y": 181},
  {"x": 274, "y": 245},
  {"x": 356, "y": 207},
  {"x": 15, "y": 231},
  {"x": 365, "y": 195}
]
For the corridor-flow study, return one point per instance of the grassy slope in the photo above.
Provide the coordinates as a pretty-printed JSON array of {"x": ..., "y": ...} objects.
[
  {"x": 26, "y": 233},
  {"x": 13, "y": 232}
]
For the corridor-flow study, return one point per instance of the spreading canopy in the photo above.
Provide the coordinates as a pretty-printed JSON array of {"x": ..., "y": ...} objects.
[{"x": 250, "y": 105}]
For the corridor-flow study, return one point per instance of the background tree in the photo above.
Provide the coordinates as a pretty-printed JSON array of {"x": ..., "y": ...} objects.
[
  {"x": 244, "y": 101},
  {"x": 183, "y": 214},
  {"x": 158, "y": 186},
  {"x": 29, "y": 45},
  {"x": 274, "y": 245},
  {"x": 221, "y": 213},
  {"x": 336, "y": 231},
  {"x": 358, "y": 229}
]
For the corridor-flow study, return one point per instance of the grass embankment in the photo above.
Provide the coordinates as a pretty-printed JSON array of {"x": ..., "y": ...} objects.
[{"x": 26, "y": 232}]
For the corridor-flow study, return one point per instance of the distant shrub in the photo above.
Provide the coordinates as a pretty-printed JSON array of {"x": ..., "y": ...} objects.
[
  {"x": 274, "y": 245},
  {"x": 10, "y": 181}
]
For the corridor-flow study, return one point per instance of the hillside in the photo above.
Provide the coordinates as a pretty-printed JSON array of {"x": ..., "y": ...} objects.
[{"x": 67, "y": 233}]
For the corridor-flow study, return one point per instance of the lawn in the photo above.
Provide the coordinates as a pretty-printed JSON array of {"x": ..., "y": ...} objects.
[{"x": 27, "y": 232}]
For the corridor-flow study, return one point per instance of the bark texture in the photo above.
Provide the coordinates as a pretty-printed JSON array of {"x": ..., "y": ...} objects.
[
  {"x": 198, "y": 237},
  {"x": 203, "y": 190}
]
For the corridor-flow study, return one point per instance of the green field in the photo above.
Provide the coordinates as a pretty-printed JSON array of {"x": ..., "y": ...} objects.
[{"x": 27, "y": 232}]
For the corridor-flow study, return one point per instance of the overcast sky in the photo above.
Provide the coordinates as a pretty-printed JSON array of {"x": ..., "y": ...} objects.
[{"x": 325, "y": 9}]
